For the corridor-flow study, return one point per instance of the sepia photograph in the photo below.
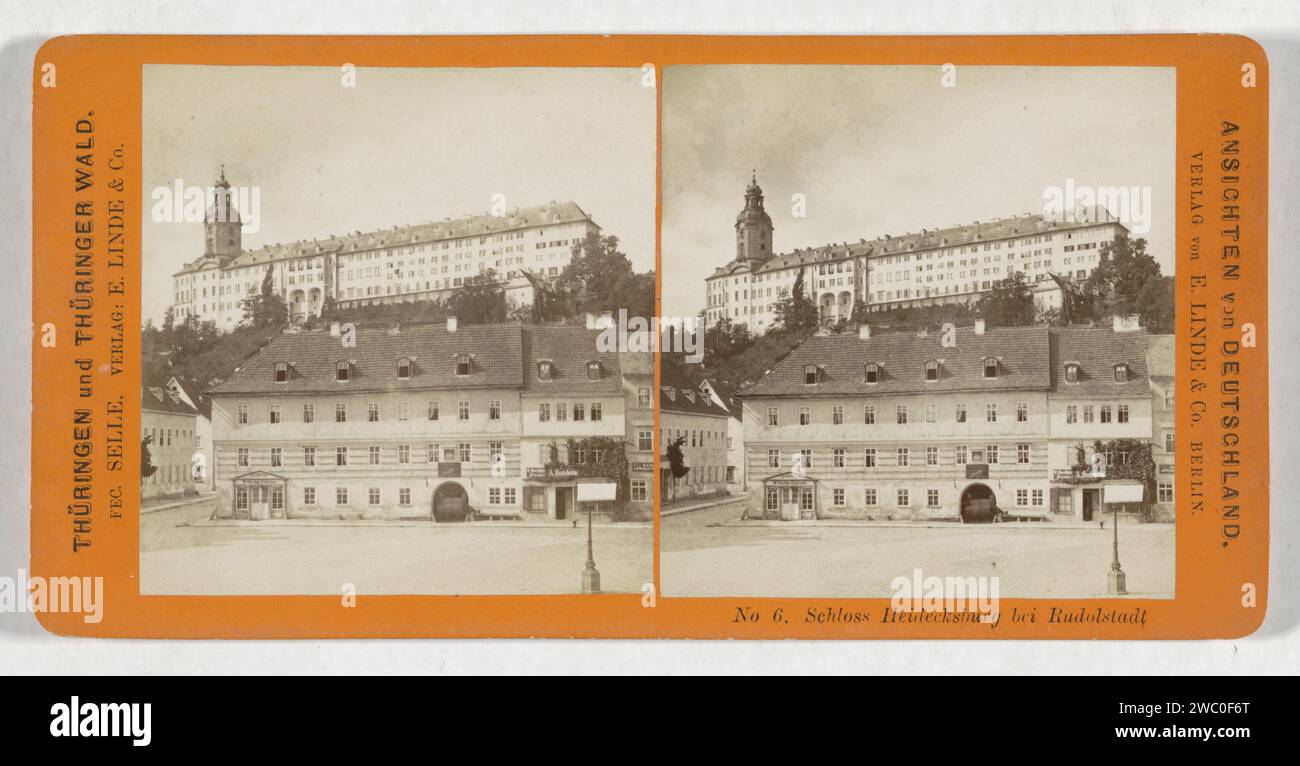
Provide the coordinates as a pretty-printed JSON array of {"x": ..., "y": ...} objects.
[
  {"x": 379, "y": 352},
  {"x": 936, "y": 308}
]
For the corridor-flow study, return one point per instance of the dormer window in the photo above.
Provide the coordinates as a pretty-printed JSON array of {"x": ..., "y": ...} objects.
[
  {"x": 545, "y": 370},
  {"x": 404, "y": 368},
  {"x": 1071, "y": 373},
  {"x": 281, "y": 372},
  {"x": 1121, "y": 373},
  {"x": 593, "y": 370},
  {"x": 872, "y": 375},
  {"x": 810, "y": 374},
  {"x": 343, "y": 372},
  {"x": 931, "y": 371},
  {"x": 462, "y": 364},
  {"x": 991, "y": 367}
]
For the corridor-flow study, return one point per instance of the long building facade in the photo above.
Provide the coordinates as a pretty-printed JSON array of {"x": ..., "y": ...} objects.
[
  {"x": 692, "y": 417},
  {"x": 979, "y": 424},
  {"x": 448, "y": 423},
  {"x": 935, "y": 266},
  {"x": 407, "y": 263}
]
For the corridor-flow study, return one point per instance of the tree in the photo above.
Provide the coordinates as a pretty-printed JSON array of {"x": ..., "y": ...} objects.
[
  {"x": 1127, "y": 280},
  {"x": 1009, "y": 303},
  {"x": 480, "y": 299},
  {"x": 147, "y": 468},
  {"x": 796, "y": 313},
  {"x": 593, "y": 276},
  {"x": 677, "y": 467},
  {"x": 266, "y": 308}
]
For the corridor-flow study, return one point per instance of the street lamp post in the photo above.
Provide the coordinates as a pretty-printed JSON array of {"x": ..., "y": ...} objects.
[
  {"x": 590, "y": 574},
  {"x": 1115, "y": 579}
]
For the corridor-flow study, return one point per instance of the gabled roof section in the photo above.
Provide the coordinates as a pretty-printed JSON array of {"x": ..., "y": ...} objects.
[
  {"x": 495, "y": 352},
  {"x": 1022, "y": 353},
  {"x": 1097, "y": 351},
  {"x": 569, "y": 348},
  {"x": 688, "y": 401},
  {"x": 155, "y": 397}
]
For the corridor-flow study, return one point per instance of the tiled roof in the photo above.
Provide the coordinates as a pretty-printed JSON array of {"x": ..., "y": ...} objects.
[
  {"x": 496, "y": 352},
  {"x": 156, "y": 398},
  {"x": 1160, "y": 356},
  {"x": 1097, "y": 351},
  {"x": 1022, "y": 353},
  {"x": 688, "y": 401},
  {"x": 195, "y": 392},
  {"x": 467, "y": 226},
  {"x": 568, "y": 348},
  {"x": 928, "y": 239}
]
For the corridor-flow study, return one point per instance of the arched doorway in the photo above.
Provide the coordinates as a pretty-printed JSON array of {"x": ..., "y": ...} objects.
[
  {"x": 978, "y": 504},
  {"x": 450, "y": 503}
]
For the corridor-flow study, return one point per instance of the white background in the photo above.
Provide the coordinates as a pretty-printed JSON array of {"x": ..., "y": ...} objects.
[{"x": 25, "y": 648}]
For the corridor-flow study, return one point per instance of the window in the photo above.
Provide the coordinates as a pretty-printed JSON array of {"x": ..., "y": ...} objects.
[
  {"x": 1165, "y": 492},
  {"x": 932, "y": 456},
  {"x": 640, "y": 491},
  {"x": 991, "y": 453},
  {"x": 1071, "y": 413},
  {"x": 494, "y": 496},
  {"x": 904, "y": 498},
  {"x": 1169, "y": 441},
  {"x": 961, "y": 412},
  {"x": 308, "y": 413},
  {"x": 643, "y": 398},
  {"x": 1169, "y": 398},
  {"x": 403, "y": 453},
  {"x": 1022, "y": 454},
  {"x": 991, "y": 367},
  {"x": 277, "y": 457},
  {"x": 774, "y": 458},
  {"x": 900, "y": 414},
  {"x": 837, "y": 496},
  {"x": 872, "y": 374},
  {"x": 241, "y": 456},
  {"x": 431, "y": 453},
  {"x": 869, "y": 457},
  {"x": 645, "y": 440},
  {"x": 904, "y": 456},
  {"x": 1022, "y": 497},
  {"x": 341, "y": 496},
  {"x": 837, "y": 415},
  {"x": 772, "y": 499},
  {"x": 1121, "y": 413},
  {"x": 544, "y": 411},
  {"x": 281, "y": 372},
  {"x": 1022, "y": 412},
  {"x": 308, "y": 495},
  {"x": 1105, "y": 413},
  {"x": 773, "y": 416},
  {"x": 241, "y": 414},
  {"x": 593, "y": 370},
  {"x": 869, "y": 414},
  {"x": 805, "y": 458},
  {"x": 463, "y": 452},
  {"x": 241, "y": 498},
  {"x": 991, "y": 412},
  {"x": 544, "y": 370},
  {"x": 1088, "y": 413},
  {"x": 462, "y": 364},
  {"x": 1071, "y": 373},
  {"x": 462, "y": 411},
  {"x": 404, "y": 496},
  {"x": 963, "y": 455},
  {"x": 341, "y": 413},
  {"x": 869, "y": 497},
  {"x": 931, "y": 372},
  {"x": 273, "y": 413},
  {"x": 1037, "y": 496},
  {"x": 340, "y": 456},
  {"x": 597, "y": 411},
  {"x": 433, "y": 410},
  {"x": 342, "y": 372},
  {"x": 805, "y": 416},
  {"x": 403, "y": 368},
  {"x": 806, "y": 500},
  {"x": 809, "y": 374},
  {"x": 1121, "y": 373},
  {"x": 837, "y": 456},
  {"x": 373, "y": 496},
  {"x": 932, "y": 498},
  {"x": 374, "y": 454},
  {"x": 309, "y": 456},
  {"x": 372, "y": 412}
]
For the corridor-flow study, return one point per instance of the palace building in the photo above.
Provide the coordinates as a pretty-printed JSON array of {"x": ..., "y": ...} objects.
[
  {"x": 958, "y": 427},
  {"x": 409, "y": 263},
  {"x": 935, "y": 266},
  {"x": 479, "y": 421}
]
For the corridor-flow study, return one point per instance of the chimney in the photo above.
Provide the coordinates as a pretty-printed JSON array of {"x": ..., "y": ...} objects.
[
  {"x": 451, "y": 324},
  {"x": 864, "y": 331},
  {"x": 979, "y": 326},
  {"x": 334, "y": 330},
  {"x": 600, "y": 321},
  {"x": 1125, "y": 323}
]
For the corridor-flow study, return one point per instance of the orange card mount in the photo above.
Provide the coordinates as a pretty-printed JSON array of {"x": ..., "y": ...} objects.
[{"x": 649, "y": 337}]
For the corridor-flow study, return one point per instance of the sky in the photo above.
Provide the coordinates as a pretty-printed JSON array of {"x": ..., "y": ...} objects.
[
  {"x": 404, "y": 146},
  {"x": 888, "y": 150}
]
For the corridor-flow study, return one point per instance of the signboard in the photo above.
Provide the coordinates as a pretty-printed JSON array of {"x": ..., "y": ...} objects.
[
  {"x": 558, "y": 473},
  {"x": 1122, "y": 493},
  {"x": 643, "y": 467},
  {"x": 596, "y": 492},
  {"x": 449, "y": 470},
  {"x": 977, "y": 470}
]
